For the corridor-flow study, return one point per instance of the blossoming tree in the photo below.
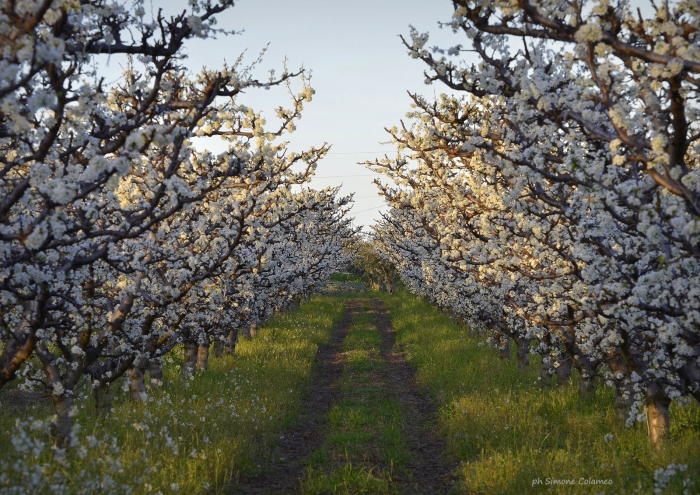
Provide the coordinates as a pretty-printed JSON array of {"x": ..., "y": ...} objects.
[
  {"x": 559, "y": 184},
  {"x": 119, "y": 238}
]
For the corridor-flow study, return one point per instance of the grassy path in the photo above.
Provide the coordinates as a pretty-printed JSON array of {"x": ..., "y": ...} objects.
[
  {"x": 379, "y": 437},
  {"x": 363, "y": 443},
  {"x": 427, "y": 469},
  {"x": 508, "y": 431},
  {"x": 364, "y": 426}
]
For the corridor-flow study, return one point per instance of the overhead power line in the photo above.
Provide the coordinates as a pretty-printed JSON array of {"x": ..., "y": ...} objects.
[
  {"x": 334, "y": 176},
  {"x": 362, "y": 211}
]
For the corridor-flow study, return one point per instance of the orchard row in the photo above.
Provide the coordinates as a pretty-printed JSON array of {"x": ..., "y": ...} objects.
[
  {"x": 553, "y": 196},
  {"x": 119, "y": 238}
]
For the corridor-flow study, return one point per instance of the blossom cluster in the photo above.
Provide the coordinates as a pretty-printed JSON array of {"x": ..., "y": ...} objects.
[
  {"x": 553, "y": 196},
  {"x": 119, "y": 238}
]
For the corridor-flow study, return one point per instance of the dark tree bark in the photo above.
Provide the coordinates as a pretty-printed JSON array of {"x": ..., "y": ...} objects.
[
  {"x": 203, "y": 355},
  {"x": 545, "y": 374},
  {"x": 103, "y": 400},
  {"x": 523, "y": 351},
  {"x": 503, "y": 346},
  {"x": 231, "y": 341},
  {"x": 61, "y": 425},
  {"x": 658, "y": 417},
  {"x": 137, "y": 384},
  {"x": 189, "y": 366},
  {"x": 624, "y": 393},
  {"x": 218, "y": 347},
  {"x": 564, "y": 370},
  {"x": 155, "y": 372},
  {"x": 586, "y": 386}
]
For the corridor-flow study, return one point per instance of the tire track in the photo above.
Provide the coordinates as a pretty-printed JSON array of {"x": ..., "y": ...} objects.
[
  {"x": 284, "y": 470},
  {"x": 429, "y": 470}
]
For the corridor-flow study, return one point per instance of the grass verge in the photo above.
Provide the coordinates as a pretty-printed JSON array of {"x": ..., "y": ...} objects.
[
  {"x": 192, "y": 436},
  {"x": 511, "y": 433}
]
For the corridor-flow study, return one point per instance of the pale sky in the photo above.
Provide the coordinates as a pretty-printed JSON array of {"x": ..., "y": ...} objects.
[{"x": 361, "y": 73}]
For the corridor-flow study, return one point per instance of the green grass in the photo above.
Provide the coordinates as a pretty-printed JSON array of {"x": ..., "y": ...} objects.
[
  {"x": 505, "y": 428},
  {"x": 193, "y": 436},
  {"x": 508, "y": 430},
  {"x": 345, "y": 277},
  {"x": 363, "y": 443}
]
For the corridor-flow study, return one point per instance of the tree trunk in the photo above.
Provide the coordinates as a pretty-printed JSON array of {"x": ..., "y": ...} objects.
[
  {"x": 155, "y": 372},
  {"x": 189, "y": 366},
  {"x": 545, "y": 375},
  {"x": 624, "y": 391},
  {"x": 15, "y": 351},
  {"x": 203, "y": 356},
  {"x": 691, "y": 372},
  {"x": 564, "y": 370},
  {"x": 231, "y": 341},
  {"x": 61, "y": 425},
  {"x": 523, "y": 351},
  {"x": 218, "y": 347},
  {"x": 254, "y": 329},
  {"x": 586, "y": 385},
  {"x": 504, "y": 346},
  {"x": 624, "y": 398},
  {"x": 658, "y": 419},
  {"x": 103, "y": 400},
  {"x": 137, "y": 386}
]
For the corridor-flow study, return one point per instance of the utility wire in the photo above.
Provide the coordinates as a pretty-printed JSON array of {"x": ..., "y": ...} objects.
[
  {"x": 334, "y": 176},
  {"x": 309, "y": 119},
  {"x": 362, "y": 211}
]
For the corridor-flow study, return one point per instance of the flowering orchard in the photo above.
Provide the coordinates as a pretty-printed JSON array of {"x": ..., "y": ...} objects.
[
  {"x": 554, "y": 196},
  {"x": 119, "y": 239}
]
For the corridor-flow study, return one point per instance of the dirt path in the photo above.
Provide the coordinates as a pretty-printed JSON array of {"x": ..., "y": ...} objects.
[
  {"x": 427, "y": 471},
  {"x": 283, "y": 473}
]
